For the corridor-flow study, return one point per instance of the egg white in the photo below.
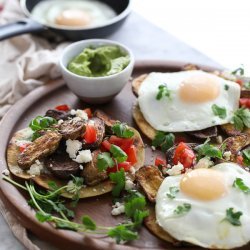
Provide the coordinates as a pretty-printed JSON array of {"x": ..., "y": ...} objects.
[
  {"x": 46, "y": 11},
  {"x": 172, "y": 114},
  {"x": 203, "y": 225}
]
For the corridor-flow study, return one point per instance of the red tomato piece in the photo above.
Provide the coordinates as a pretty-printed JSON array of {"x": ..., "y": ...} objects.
[
  {"x": 160, "y": 162},
  {"x": 123, "y": 143},
  {"x": 23, "y": 146},
  {"x": 63, "y": 107},
  {"x": 90, "y": 135},
  {"x": 131, "y": 152},
  {"x": 184, "y": 154},
  {"x": 239, "y": 160},
  {"x": 106, "y": 145},
  {"x": 125, "y": 165},
  {"x": 240, "y": 82},
  {"x": 245, "y": 102},
  {"x": 89, "y": 112}
]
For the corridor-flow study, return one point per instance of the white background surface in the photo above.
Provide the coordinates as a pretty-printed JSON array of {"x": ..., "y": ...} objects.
[{"x": 218, "y": 28}]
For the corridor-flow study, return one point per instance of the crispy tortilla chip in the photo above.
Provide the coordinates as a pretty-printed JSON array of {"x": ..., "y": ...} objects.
[
  {"x": 144, "y": 126},
  {"x": 154, "y": 228},
  {"x": 136, "y": 83},
  {"x": 150, "y": 179},
  {"x": 43, "y": 179}
]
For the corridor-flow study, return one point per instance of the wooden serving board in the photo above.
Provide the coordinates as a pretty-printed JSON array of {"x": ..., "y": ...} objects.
[{"x": 99, "y": 208}]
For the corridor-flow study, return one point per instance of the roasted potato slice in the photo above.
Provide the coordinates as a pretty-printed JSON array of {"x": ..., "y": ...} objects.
[
  {"x": 58, "y": 114},
  {"x": 235, "y": 144},
  {"x": 107, "y": 121},
  {"x": 150, "y": 179}
]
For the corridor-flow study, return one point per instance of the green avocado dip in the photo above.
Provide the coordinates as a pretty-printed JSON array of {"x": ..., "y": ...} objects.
[{"x": 101, "y": 61}]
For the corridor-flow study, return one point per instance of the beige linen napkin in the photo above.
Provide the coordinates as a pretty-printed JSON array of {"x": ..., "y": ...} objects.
[{"x": 26, "y": 62}]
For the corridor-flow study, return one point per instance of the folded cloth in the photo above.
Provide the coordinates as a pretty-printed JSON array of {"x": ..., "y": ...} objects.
[{"x": 26, "y": 61}]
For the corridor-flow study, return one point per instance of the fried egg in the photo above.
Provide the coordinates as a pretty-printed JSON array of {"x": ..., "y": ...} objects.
[
  {"x": 75, "y": 13},
  {"x": 189, "y": 104},
  {"x": 207, "y": 194}
]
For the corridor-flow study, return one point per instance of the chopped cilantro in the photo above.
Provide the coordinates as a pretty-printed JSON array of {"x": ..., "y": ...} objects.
[
  {"x": 104, "y": 161},
  {"x": 219, "y": 111},
  {"x": 246, "y": 156},
  {"x": 172, "y": 192},
  {"x": 163, "y": 91},
  {"x": 241, "y": 118},
  {"x": 119, "y": 179},
  {"x": 239, "y": 71},
  {"x": 118, "y": 153},
  {"x": 209, "y": 150},
  {"x": 238, "y": 183},
  {"x": 226, "y": 87},
  {"x": 233, "y": 217},
  {"x": 163, "y": 140},
  {"x": 122, "y": 130},
  {"x": 182, "y": 209}
]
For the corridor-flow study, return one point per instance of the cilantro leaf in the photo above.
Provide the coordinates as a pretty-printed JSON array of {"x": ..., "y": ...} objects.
[
  {"x": 226, "y": 87},
  {"x": 163, "y": 91},
  {"x": 137, "y": 203},
  {"x": 42, "y": 217},
  {"x": 239, "y": 71},
  {"x": 88, "y": 223},
  {"x": 122, "y": 233},
  {"x": 241, "y": 118},
  {"x": 219, "y": 111},
  {"x": 238, "y": 183},
  {"x": 66, "y": 225},
  {"x": 122, "y": 130},
  {"x": 118, "y": 153},
  {"x": 119, "y": 179},
  {"x": 139, "y": 216},
  {"x": 172, "y": 192},
  {"x": 104, "y": 161},
  {"x": 209, "y": 150},
  {"x": 247, "y": 85},
  {"x": 233, "y": 217},
  {"x": 246, "y": 156},
  {"x": 52, "y": 185},
  {"x": 182, "y": 209},
  {"x": 163, "y": 140}
]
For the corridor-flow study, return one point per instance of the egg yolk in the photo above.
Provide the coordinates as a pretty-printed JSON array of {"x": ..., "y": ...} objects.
[
  {"x": 199, "y": 88},
  {"x": 204, "y": 184},
  {"x": 73, "y": 17}
]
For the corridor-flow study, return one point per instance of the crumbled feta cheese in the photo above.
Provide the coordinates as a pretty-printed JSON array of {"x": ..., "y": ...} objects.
[
  {"x": 60, "y": 122},
  {"x": 227, "y": 155},
  {"x": 16, "y": 170},
  {"x": 219, "y": 139},
  {"x": 84, "y": 156},
  {"x": 175, "y": 170},
  {"x": 204, "y": 163},
  {"x": 81, "y": 167},
  {"x": 132, "y": 170},
  {"x": 77, "y": 119},
  {"x": 6, "y": 172},
  {"x": 129, "y": 184},
  {"x": 72, "y": 112},
  {"x": 36, "y": 168},
  {"x": 153, "y": 148},
  {"x": 21, "y": 143},
  {"x": 118, "y": 208},
  {"x": 91, "y": 122},
  {"x": 73, "y": 146},
  {"x": 82, "y": 114}
]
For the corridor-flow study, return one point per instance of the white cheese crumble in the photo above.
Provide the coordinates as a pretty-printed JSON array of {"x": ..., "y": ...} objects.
[
  {"x": 204, "y": 163},
  {"x": 21, "y": 143},
  {"x": 84, "y": 156},
  {"x": 227, "y": 155},
  {"x": 72, "y": 112},
  {"x": 81, "y": 167},
  {"x": 60, "y": 122},
  {"x": 219, "y": 139},
  {"x": 118, "y": 208},
  {"x": 79, "y": 113},
  {"x": 175, "y": 170},
  {"x": 132, "y": 170},
  {"x": 35, "y": 168},
  {"x": 153, "y": 148},
  {"x": 73, "y": 146},
  {"x": 129, "y": 184},
  {"x": 6, "y": 172}
]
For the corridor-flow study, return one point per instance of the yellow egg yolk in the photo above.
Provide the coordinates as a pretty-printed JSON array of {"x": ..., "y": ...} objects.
[
  {"x": 73, "y": 17},
  {"x": 204, "y": 184},
  {"x": 199, "y": 88}
]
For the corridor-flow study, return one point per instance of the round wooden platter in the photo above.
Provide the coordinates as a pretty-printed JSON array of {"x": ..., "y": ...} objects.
[{"x": 99, "y": 208}]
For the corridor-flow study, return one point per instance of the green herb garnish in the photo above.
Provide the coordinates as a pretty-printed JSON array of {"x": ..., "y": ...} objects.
[
  {"x": 247, "y": 85},
  {"x": 163, "y": 140},
  {"x": 162, "y": 92},
  {"x": 119, "y": 179},
  {"x": 233, "y": 217},
  {"x": 226, "y": 87},
  {"x": 238, "y": 183},
  {"x": 239, "y": 71},
  {"x": 122, "y": 130},
  {"x": 246, "y": 156},
  {"x": 172, "y": 192},
  {"x": 118, "y": 153},
  {"x": 241, "y": 118},
  {"x": 182, "y": 209},
  {"x": 209, "y": 150},
  {"x": 104, "y": 161},
  {"x": 219, "y": 111}
]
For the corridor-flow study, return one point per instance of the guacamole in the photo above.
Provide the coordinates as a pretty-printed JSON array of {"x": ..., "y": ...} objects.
[{"x": 100, "y": 61}]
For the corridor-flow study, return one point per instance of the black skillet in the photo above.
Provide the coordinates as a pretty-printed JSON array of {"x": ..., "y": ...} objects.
[{"x": 28, "y": 25}]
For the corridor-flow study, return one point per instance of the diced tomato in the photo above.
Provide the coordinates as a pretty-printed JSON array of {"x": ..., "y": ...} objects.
[
  {"x": 180, "y": 139},
  {"x": 184, "y": 154},
  {"x": 160, "y": 162},
  {"x": 131, "y": 152},
  {"x": 125, "y": 165},
  {"x": 240, "y": 82},
  {"x": 90, "y": 135},
  {"x": 239, "y": 160},
  {"x": 245, "y": 102},
  {"x": 23, "y": 146},
  {"x": 106, "y": 145},
  {"x": 63, "y": 107},
  {"x": 89, "y": 112},
  {"x": 123, "y": 143}
]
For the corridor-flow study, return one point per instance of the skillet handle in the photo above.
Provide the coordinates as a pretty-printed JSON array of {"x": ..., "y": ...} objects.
[{"x": 20, "y": 27}]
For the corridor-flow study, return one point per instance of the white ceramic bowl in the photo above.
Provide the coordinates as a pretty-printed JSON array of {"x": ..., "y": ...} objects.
[{"x": 94, "y": 89}]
